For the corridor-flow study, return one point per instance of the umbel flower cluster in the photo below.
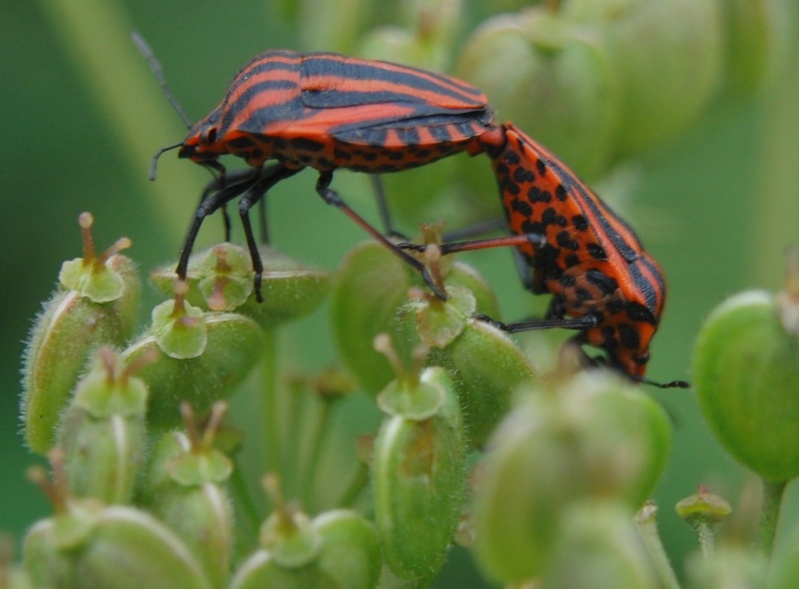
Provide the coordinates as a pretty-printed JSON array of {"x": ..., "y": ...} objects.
[{"x": 540, "y": 476}]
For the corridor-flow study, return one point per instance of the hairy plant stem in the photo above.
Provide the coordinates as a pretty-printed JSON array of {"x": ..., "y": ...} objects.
[
  {"x": 769, "y": 518},
  {"x": 270, "y": 405},
  {"x": 647, "y": 528}
]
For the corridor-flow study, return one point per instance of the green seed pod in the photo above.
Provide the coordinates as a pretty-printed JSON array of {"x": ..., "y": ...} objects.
[
  {"x": 555, "y": 80},
  {"x": 350, "y": 555},
  {"x": 425, "y": 38},
  {"x": 103, "y": 434},
  {"x": 418, "y": 475},
  {"x": 591, "y": 436},
  {"x": 746, "y": 374},
  {"x": 599, "y": 546},
  {"x": 668, "y": 56},
  {"x": 482, "y": 361},
  {"x": 88, "y": 546},
  {"x": 754, "y": 36},
  {"x": 129, "y": 549},
  {"x": 185, "y": 489},
  {"x": 49, "y": 547},
  {"x": 337, "y": 550},
  {"x": 371, "y": 287},
  {"x": 221, "y": 279},
  {"x": 486, "y": 366},
  {"x": 232, "y": 346},
  {"x": 95, "y": 305}
]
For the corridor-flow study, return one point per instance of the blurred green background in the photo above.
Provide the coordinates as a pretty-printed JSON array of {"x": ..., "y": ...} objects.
[{"x": 716, "y": 205}]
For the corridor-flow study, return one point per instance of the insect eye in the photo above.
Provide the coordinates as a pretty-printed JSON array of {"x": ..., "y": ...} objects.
[{"x": 209, "y": 136}]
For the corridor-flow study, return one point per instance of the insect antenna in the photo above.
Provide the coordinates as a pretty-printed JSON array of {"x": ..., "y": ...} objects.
[
  {"x": 154, "y": 162},
  {"x": 674, "y": 384},
  {"x": 155, "y": 66}
]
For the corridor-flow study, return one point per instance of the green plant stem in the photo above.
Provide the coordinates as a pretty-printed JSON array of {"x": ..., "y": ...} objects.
[
  {"x": 250, "y": 518},
  {"x": 778, "y": 174},
  {"x": 316, "y": 436},
  {"x": 270, "y": 416},
  {"x": 707, "y": 538},
  {"x": 359, "y": 481},
  {"x": 96, "y": 33},
  {"x": 647, "y": 528},
  {"x": 770, "y": 515}
]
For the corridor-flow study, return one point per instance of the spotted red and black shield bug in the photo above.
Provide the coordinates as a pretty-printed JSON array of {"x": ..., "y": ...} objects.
[{"x": 328, "y": 112}]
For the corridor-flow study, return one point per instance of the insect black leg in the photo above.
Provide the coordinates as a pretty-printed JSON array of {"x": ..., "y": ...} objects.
[
  {"x": 580, "y": 323},
  {"x": 537, "y": 239},
  {"x": 254, "y": 193},
  {"x": 211, "y": 202},
  {"x": 477, "y": 230},
  {"x": 258, "y": 182},
  {"x": 243, "y": 178},
  {"x": 382, "y": 209},
  {"x": 332, "y": 197}
]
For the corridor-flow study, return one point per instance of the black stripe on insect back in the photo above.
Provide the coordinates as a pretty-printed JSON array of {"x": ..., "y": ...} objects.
[
  {"x": 628, "y": 252},
  {"x": 339, "y": 99},
  {"x": 423, "y": 116},
  {"x": 649, "y": 291},
  {"x": 264, "y": 63},
  {"x": 330, "y": 65},
  {"x": 288, "y": 110}
]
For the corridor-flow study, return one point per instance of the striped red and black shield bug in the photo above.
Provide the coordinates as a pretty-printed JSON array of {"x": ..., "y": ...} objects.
[
  {"x": 328, "y": 112},
  {"x": 603, "y": 282}
]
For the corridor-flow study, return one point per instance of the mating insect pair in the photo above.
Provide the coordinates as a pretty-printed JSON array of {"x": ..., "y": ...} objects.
[{"x": 327, "y": 111}]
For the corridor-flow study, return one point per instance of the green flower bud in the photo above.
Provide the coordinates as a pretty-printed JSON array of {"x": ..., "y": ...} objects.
[
  {"x": 418, "y": 475},
  {"x": 185, "y": 490},
  {"x": 178, "y": 328},
  {"x": 232, "y": 346},
  {"x": 746, "y": 374},
  {"x": 221, "y": 279},
  {"x": 668, "y": 56},
  {"x": 592, "y": 436},
  {"x": 95, "y": 305},
  {"x": 599, "y": 546},
  {"x": 703, "y": 508},
  {"x": 103, "y": 434}
]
